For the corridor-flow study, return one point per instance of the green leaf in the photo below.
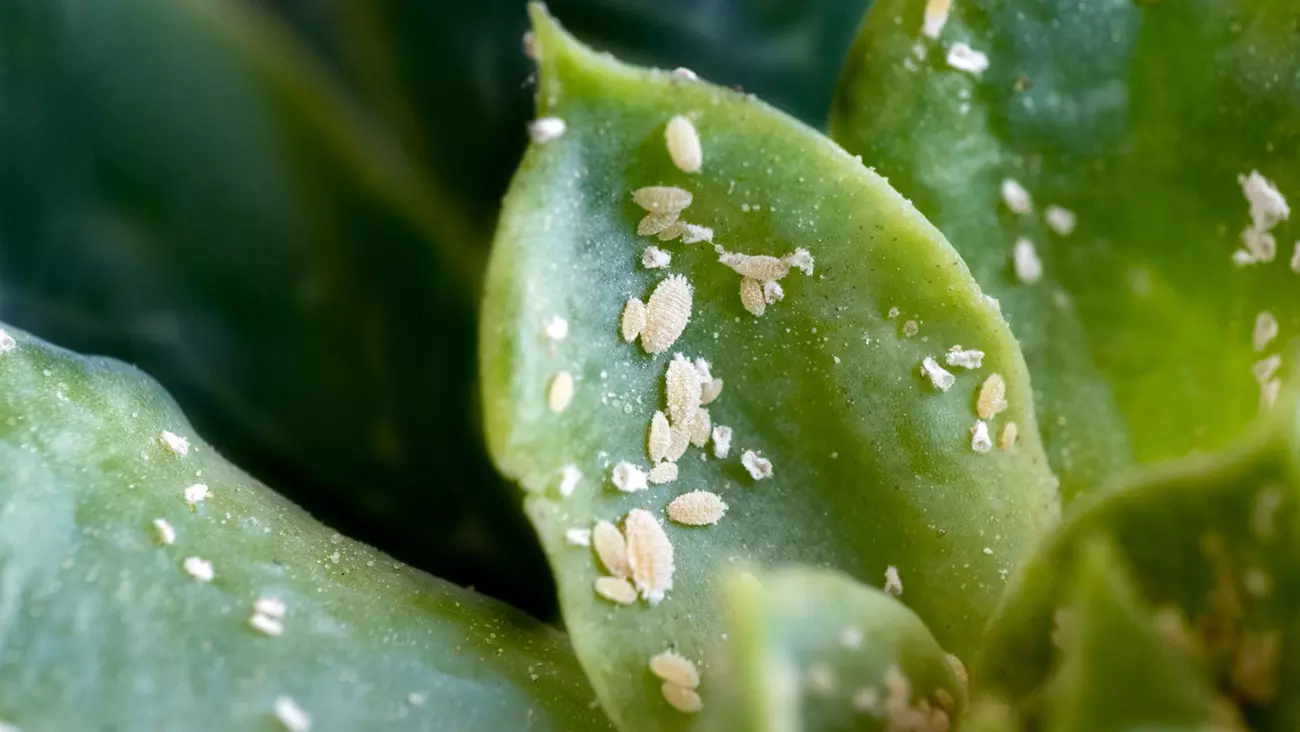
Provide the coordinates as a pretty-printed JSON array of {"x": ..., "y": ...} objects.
[
  {"x": 872, "y": 464},
  {"x": 1118, "y": 671},
  {"x": 183, "y": 189},
  {"x": 811, "y": 649},
  {"x": 103, "y": 627},
  {"x": 1211, "y": 542},
  {"x": 1138, "y": 118}
]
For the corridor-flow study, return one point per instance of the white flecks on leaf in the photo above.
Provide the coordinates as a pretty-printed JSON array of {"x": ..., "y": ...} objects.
[
  {"x": 992, "y": 399},
  {"x": 674, "y": 667},
  {"x": 801, "y": 259},
  {"x": 532, "y": 49},
  {"x": 1267, "y": 205},
  {"x": 683, "y": 389},
  {"x": 686, "y": 701},
  {"x": 1264, "y": 369},
  {"x": 979, "y": 437},
  {"x": 611, "y": 549},
  {"x": 649, "y": 555},
  {"x": 660, "y": 439},
  {"x": 685, "y": 73},
  {"x": 545, "y": 129},
  {"x": 1029, "y": 268},
  {"x": 174, "y": 443},
  {"x": 616, "y": 589},
  {"x": 683, "y": 144},
  {"x": 851, "y": 638},
  {"x": 633, "y": 321},
  {"x": 756, "y": 465},
  {"x": 663, "y": 473},
  {"x": 556, "y": 329},
  {"x": 964, "y": 358},
  {"x": 561, "y": 392},
  {"x": 7, "y": 342},
  {"x": 655, "y": 258},
  {"x": 721, "y": 441},
  {"x": 628, "y": 477},
  {"x": 1009, "y": 434},
  {"x": 821, "y": 679},
  {"x": 1015, "y": 196},
  {"x": 1260, "y": 245},
  {"x": 199, "y": 569},
  {"x": 893, "y": 582},
  {"x": 662, "y": 199},
  {"x": 938, "y": 375},
  {"x": 569, "y": 477},
  {"x": 1266, "y": 329},
  {"x": 166, "y": 533},
  {"x": 269, "y": 606},
  {"x": 1268, "y": 393},
  {"x": 936, "y": 16},
  {"x": 964, "y": 58},
  {"x": 667, "y": 314},
  {"x": 1060, "y": 220},
  {"x": 293, "y": 717},
  {"x": 266, "y": 624},
  {"x": 751, "y": 296},
  {"x": 578, "y": 536},
  {"x": 697, "y": 508},
  {"x": 196, "y": 494}
]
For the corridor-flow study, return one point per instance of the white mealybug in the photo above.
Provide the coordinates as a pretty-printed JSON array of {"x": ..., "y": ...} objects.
[
  {"x": 686, "y": 701},
  {"x": 773, "y": 292},
  {"x": 569, "y": 477},
  {"x": 1015, "y": 196},
  {"x": 611, "y": 548},
  {"x": 751, "y": 296},
  {"x": 893, "y": 582},
  {"x": 545, "y": 129},
  {"x": 801, "y": 259},
  {"x": 663, "y": 473},
  {"x": 1260, "y": 245},
  {"x": 701, "y": 427},
  {"x": 667, "y": 314},
  {"x": 662, "y": 199},
  {"x": 1268, "y": 393},
  {"x": 628, "y": 477},
  {"x": 633, "y": 321},
  {"x": 1266, "y": 329},
  {"x": 658, "y": 223},
  {"x": 683, "y": 389},
  {"x": 198, "y": 568},
  {"x": 694, "y": 234},
  {"x": 266, "y": 624},
  {"x": 1060, "y": 220},
  {"x": 293, "y": 717},
  {"x": 270, "y": 606},
  {"x": 1267, "y": 205},
  {"x": 938, "y": 375},
  {"x": 759, "y": 267},
  {"x": 992, "y": 398},
  {"x": 174, "y": 443},
  {"x": 7, "y": 343},
  {"x": 556, "y": 329},
  {"x": 649, "y": 555},
  {"x": 1264, "y": 369},
  {"x": 710, "y": 390},
  {"x": 936, "y": 15},
  {"x": 577, "y": 536},
  {"x": 1009, "y": 434},
  {"x": 679, "y": 440},
  {"x": 196, "y": 494},
  {"x": 683, "y": 144},
  {"x": 979, "y": 437},
  {"x": 964, "y": 58},
  {"x": 965, "y": 358},
  {"x": 721, "y": 441},
  {"x": 166, "y": 534},
  {"x": 655, "y": 258},
  {"x": 660, "y": 439},
  {"x": 616, "y": 589},
  {"x": 561, "y": 392},
  {"x": 1024, "y": 258},
  {"x": 674, "y": 667},
  {"x": 756, "y": 465},
  {"x": 697, "y": 508}
]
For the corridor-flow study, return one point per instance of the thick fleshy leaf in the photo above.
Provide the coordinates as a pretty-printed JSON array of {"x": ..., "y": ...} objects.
[
  {"x": 1137, "y": 119},
  {"x": 1212, "y": 543},
  {"x": 450, "y": 78},
  {"x": 182, "y": 190},
  {"x": 106, "y": 622},
  {"x": 872, "y": 464},
  {"x": 814, "y": 650}
]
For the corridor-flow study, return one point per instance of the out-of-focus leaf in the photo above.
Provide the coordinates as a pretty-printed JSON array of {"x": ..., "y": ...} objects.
[
  {"x": 873, "y": 465},
  {"x": 182, "y": 190},
  {"x": 1139, "y": 119},
  {"x": 102, "y": 626},
  {"x": 814, "y": 650},
  {"x": 451, "y": 79}
]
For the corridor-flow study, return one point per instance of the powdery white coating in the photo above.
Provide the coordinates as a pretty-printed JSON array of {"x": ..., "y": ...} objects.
[
  {"x": 266, "y": 624},
  {"x": 965, "y": 358},
  {"x": 569, "y": 477},
  {"x": 801, "y": 259},
  {"x": 697, "y": 508},
  {"x": 660, "y": 438},
  {"x": 662, "y": 199},
  {"x": 992, "y": 399},
  {"x": 578, "y": 537},
  {"x": 936, "y": 15},
  {"x": 532, "y": 49},
  {"x": 1243, "y": 258},
  {"x": 1266, "y": 329},
  {"x": 556, "y": 329},
  {"x": 674, "y": 667},
  {"x": 938, "y": 375},
  {"x": 710, "y": 390},
  {"x": 683, "y": 144},
  {"x": 663, "y": 473},
  {"x": 979, "y": 437},
  {"x": 686, "y": 701},
  {"x": 616, "y": 589},
  {"x": 1295, "y": 267},
  {"x": 1009, "y": 434},
  {"x": 1029, "y": 268},
  {"x": 1061, "y": 220},
  {"x": 175, "y": 443},
  {"x": 611, "y": 549},
  {"x": 667, "y": 314},
  {"x": 655, "y": 258},
  {"x": 1015, "y": 196},
  {"x": 633, "y": 321},
  {"x": 685, "y": 73},
  {"x": 166, "y": 534},
  {"x": 293, "y": 717},
  {"x": 7, "y": 342},
  {"x": 196, "y": 494},
  {"x": 701, "y": 426},
  {"x": 657, "y": 223},
  {"x": 893, "y": 582},
  {"x": 694, "y": 234},
  {"x": 851, "y": 638},
  {"x": 272, "y": 607},
  {"x": 628, "y": 477},
  {"x": 1267, "y": 205},
  {"x": 199, "y": 569},
  {"x": 1260, "y": 245},
  {"x": 561, "y": 392},
  {"x": 761, "y": 267},
  {"x": 683, "y": 389},
  {"x": 721, "y": 441},
  {"x": 546, "y": 129},
  {"x": 1264, "y": 369},
  {"x": 751, "y": 296},
  {"x": 756, "y": 465},
  {"x": 773, "y": 293},
  {"x": 649, "y": 555},
  {"x": 705, "y": 370},
  {"x": 964, "y": 58},
  {"x": 680, "y": 439}
]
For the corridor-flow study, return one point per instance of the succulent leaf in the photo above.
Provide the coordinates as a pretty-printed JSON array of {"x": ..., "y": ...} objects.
[
  {"x": 111, "y": 620},
  {"x": 842, "y": 450},
  {"x": 1139, "y": 122}
]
